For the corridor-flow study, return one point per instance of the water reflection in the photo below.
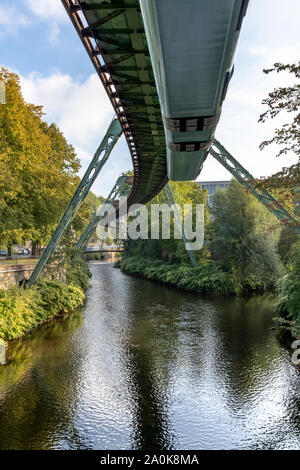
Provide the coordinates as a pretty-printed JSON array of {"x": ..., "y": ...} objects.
[{"x": 147, "y": 367}]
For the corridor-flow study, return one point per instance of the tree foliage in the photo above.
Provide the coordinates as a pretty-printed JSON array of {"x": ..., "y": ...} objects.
[
  {"x": 241, "y": 239},
  {"x": 289, "y": 291},
  {"x": 284, "y": 101},
  {"x": 38, "y": 171},
  {"x": 174, "y": 249}
]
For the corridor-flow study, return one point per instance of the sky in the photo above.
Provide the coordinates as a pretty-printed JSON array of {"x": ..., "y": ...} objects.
[{"x": 38, "y": 41}]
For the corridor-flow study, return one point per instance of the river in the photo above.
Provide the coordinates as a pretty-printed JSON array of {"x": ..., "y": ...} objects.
[{"x": 144, "y": 366}]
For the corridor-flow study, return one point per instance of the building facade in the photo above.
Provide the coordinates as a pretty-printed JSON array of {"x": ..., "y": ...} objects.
[{"x": 211, "y": 187}]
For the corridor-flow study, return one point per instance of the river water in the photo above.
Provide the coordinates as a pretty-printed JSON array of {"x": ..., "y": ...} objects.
[{"x": 143, "y": 366}]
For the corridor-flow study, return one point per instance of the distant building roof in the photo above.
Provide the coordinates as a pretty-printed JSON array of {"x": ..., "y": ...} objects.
[
  {"x": 214, "y": 182},
  {"x": 212, "y": 186}
]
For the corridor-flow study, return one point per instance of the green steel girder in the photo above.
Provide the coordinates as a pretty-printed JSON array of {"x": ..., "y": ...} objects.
[
  {"x": 112, "y": 33},
  {"x": 121, "y": 188},
  {"x": 131, "y": 68},
  {"x": 108, "y": 31},
  {"x": 107, "y": 5},
  {"x": 246, "y": 179},
  {"x": 171, "y": 202},
  {"x": 111, "y": 137}
]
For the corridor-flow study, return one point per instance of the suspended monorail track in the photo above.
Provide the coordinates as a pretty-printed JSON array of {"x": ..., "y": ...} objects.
[{"x": 114, "y": 38}]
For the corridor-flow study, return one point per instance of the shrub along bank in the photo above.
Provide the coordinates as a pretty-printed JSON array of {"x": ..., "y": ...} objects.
[
  {"x": 22, "y": 310},
  {"x": 208, "y": 278},
  {"x": 289, "y": 293}
]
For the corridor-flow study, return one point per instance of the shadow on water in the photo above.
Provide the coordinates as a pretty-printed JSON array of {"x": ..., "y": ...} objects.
[
  {"x": 147, "y": 367},
  {"x": 33, "y": 390}
]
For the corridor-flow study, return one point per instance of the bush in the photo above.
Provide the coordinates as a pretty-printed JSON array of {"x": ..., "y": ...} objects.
[
  {"x": 207, "y": 278},
  {"x": 77, "y": 270},
  {"x": 94, "y": 256},
  {"x": 22, "y": 310},
  {"x": 289, "y": 291}
]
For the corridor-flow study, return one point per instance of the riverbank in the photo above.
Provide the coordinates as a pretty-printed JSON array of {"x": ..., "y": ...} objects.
[
  {"x": 208, "y": 278},
  {"x": 23, "y": 310},
  {"x": 150, "y": 367}
]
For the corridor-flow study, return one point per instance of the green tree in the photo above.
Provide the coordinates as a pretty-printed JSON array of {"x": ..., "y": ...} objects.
[
  {"x": 284, "y": 101},
  {"x": 289, "y": 291},
  {"x": 85, "y": 213},
  {"x": 287, "y": 238},
  {"x": 241, "y": 239},
  {"x": 37, "y": 169},
  {"x": 172, "y": 249}
]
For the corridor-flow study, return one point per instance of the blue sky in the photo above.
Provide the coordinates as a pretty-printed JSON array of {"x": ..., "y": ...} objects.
[{"x": 38, "y": 41}]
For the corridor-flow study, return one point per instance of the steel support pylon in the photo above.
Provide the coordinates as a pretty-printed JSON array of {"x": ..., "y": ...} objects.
[
  {"x": 177, "y": 219},
  {"x": 108, "y": 142},
  {"x": 246, "y": 179},
  {"x": 120, "y": 189}
]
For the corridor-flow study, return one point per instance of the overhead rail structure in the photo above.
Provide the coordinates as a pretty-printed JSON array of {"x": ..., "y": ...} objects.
[
  {"x": 112, "y": 33},
  {"x": 108, "y": 142},
  {"x": 121, "y": 188},
  {"x": 167, "y": 105},
  {"x": 249, "y": 182},
  {"x": 192, "y": 44}
]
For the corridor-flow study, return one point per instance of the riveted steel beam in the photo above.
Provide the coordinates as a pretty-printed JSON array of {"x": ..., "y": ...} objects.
[
  {"x": 246, "y": 179},
  {"x": 111, "y": 137},
  {"x": 177, "y": 220},
  {"x": 125, "y": 50},
  {"x": 106, "y": 6}
]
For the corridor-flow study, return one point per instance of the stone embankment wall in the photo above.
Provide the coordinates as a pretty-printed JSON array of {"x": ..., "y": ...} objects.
[{"x": 13, "y": 275}]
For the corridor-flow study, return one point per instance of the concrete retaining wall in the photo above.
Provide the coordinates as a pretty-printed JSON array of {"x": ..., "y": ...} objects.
[{"x": 14, "y": 274}]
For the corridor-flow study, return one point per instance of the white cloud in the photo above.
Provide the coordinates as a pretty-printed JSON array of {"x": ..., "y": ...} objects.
[
  {"x": 11, "y": 20},
  {"x": 48, "y": 10},
  {"x": 81, "y": 109},
  {"x": 270, "y": 34},
  {"x": 51, "y": 12},
  {"x": 270, "y": 55},
  {"x": 83, "y": 113},
  {"x": 240, "y": 132}
]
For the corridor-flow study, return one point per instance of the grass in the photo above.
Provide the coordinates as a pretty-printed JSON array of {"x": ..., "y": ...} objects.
[
  {"x": 11, "y": 262},
  {"x": 22, "y": 310}
]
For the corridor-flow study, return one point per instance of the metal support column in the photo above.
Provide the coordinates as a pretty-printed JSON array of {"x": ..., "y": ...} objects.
[
  {"x": 246, "y": 179},
  {"x": 177, "y": 218},
  {"x": 121, "y": 188},
  {"x": 111, "y": 137}
]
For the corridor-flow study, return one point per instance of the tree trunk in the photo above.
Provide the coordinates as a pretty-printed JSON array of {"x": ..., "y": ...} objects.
[{"x": 36, "y": 248}]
